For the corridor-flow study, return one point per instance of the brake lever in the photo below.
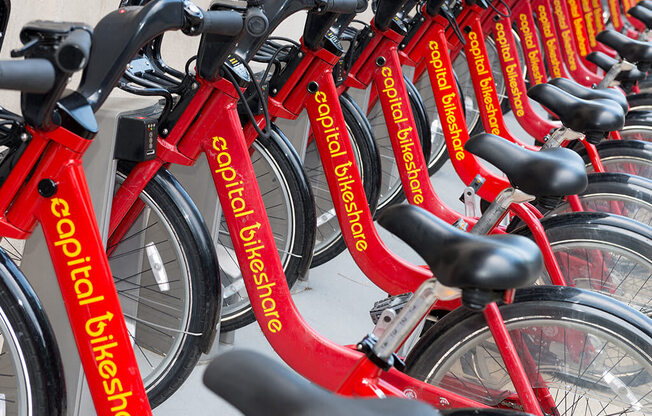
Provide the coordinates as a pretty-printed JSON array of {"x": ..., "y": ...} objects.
[
  {"x": 17, "y": 53},
  {"x": 445, "y": 11}
]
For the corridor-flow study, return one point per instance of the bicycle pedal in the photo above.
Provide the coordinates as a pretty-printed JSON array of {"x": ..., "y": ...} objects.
[{"x": 394, "y": 302}]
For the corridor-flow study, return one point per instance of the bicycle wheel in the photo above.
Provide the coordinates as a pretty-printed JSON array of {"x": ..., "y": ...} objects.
[
  {"x": 590, "y": 361},
  {"x": 603, "y": 253},
  {"x": 391, "y": 189},
  {"x": 329, "y": 241},
  {"x": 637, "y": 129},
  {"x": 627, "y": 156},
  {"x": 31, "y": 377},
  {"x": 617, "y": 193},
  {"x": 289, "y": 205},
  {"x": 169, "y": 297}
]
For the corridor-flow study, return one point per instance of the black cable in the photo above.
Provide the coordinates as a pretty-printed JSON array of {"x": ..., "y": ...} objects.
[
  {"x": 509, "y": 10},
  {"x": 187, "y": 68},
  {"x": 267, "y": 130}
]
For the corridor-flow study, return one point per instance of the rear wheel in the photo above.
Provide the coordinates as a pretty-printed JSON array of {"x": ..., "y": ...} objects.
[
  {"x": 589, "y": 361},
  {"x": 607, "y": 254},
  {"x": 620, "y": 194},
  {"x": 627, "y": 156}
]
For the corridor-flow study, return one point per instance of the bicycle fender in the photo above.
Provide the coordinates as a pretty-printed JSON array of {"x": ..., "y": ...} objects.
[
  {"x": 208, "y": 257},
  {"x": 39, "y": 328},
  {"x": 590, "y": 219}
]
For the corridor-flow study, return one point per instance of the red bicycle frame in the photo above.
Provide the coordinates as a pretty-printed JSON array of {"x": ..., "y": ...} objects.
[{"x": 48, "y": 186}]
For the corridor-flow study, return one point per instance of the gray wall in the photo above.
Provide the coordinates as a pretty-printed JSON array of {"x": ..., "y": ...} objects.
[{"x": 177, "y": 49}]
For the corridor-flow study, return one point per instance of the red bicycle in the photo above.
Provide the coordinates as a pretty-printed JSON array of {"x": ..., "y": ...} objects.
[
  {"x": 350, "y": 372},
  {"x": 45, "y": 184}
]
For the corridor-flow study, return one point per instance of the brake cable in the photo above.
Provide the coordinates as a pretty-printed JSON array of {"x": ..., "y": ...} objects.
[
  {"x": 265, "y": 132},
  {"x": 509, "y": 10}
]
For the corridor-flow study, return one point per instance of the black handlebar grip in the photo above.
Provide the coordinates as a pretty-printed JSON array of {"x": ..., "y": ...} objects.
[
  {"x": 72, "y": 54},
  {"x": 340, "y": 6},
  {"x": 222, "y": 22},
  {"x": 31, "y": 75}
]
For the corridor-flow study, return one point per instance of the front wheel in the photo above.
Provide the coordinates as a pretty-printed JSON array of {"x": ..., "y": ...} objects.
[
  {"x": 168, "y": 295},
  {"x": 589, "y": 361},
  {"x": 290, "y": 208}
]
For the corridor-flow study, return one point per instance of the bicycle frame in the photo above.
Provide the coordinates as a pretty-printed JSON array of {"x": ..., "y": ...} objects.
[
  {"x": 226, "y": 147},
  {"x": 48, "y": 186}
]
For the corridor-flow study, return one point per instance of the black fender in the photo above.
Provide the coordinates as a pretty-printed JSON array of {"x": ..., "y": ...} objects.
[
  {"x": 608, "y": 181},
  {"x": 294, "y": 160},
  {"x": 371, "y": 184},
  {"x": 39, "y": 330},
  {"x": 566, "y": 294},
  {"x": 608, "y": 148},
  {"x": 639, "y": 104},
  {"x": 591, "y": 219},
  {"x": 204, "y": 241}
]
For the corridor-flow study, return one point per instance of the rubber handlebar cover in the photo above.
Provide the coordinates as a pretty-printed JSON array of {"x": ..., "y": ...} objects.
[{"x": 30, "y": 75}]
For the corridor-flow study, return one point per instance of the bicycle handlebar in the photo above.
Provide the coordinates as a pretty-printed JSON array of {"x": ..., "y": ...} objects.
[
  {"x": 222, "y": 22},
  {"x": 73, "y": 52},
  {"x": 30, "y": 75},
  {"x": 337, "y": 6}
]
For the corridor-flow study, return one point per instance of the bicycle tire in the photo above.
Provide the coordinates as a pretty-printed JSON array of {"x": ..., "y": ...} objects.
[
  {"x": 29, "y": 356},
  {"x": 459, "y": 351},
  {"x": 616, "y": 193},
  {"x": 329, "y": 240},
  {"x": 160, "y": 259},
  {"x": 391, "y": 189},
  {"x": 586, "y": 244},
  {"x": 628, "y": 156},
  {"x": 289, "y": 204}
]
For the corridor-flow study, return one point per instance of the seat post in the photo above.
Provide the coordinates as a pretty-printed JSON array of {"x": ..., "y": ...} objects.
[
  {"x": 498, "y": 208},
  {"x": 559, "y": 136},
  {"x": 613, "y": 72},
  {"x": 412, "y": 313}
]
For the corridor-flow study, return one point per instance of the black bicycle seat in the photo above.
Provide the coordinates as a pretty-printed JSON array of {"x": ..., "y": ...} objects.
[
  {"x": 585, "y": 93},
  {"x": 464, "y": 260},
  {"x": 605, "y": 62},
  {"x": 591, "y": 117},
  {"x": 260, "y": 386},
  {"x": 548, "y": 172},
  {"x": 643, "y": 14},
  {"x": 645, "y": 3},
  {"x": 632, "y": 50}
]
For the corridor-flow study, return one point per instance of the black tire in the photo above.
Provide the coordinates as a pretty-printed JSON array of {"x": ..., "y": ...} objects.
[
  {"x": 391, "y": 189},
  {"x": 167, "y": 346},
  {"x": 587, "y": 244},
  {"x": 29, "y": 358},
  {"x": 616, "y": 193},
  {"x": 459, "y": 354},
  {"x": 633, "y": 157},
  {"x": 329, "y": 241},
  {"x": 289, "y": 204}
]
